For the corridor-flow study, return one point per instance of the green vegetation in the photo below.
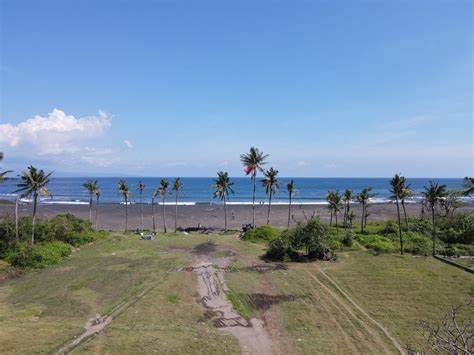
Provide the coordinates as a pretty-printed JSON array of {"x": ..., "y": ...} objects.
[
  {"x": 222, "y": 186},
  {"x": 262, "y": 234}
]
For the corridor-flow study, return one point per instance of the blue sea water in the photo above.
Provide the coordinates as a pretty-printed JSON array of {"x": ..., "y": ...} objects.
[{"x": 198, "y": 190}]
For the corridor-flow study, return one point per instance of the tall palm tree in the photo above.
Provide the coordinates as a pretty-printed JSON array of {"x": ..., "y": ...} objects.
[
  {"x": 334, "y": 200},
  {"x": 177, "y": 186},
  {"x": 253, "y": 162},
  {"x": 398, "y": 184},
  {"x": 163, "y": 189},
  {"x": 124, "y": 191},
  {"x": 329, "y": 198},
  {"x": 347, "y": 198},
  {"x": 3, "y": 178},
  {"x": 433, "y": 194},
  {"x": 223, "y": 186},
  {"x": 290, "y": 188},
  {"x": 154, "y": 194},
  {"x": 363, "y": 198},
  {"x": 406, "y": 193},
  {"x": 33, "y": 183},
  {"x": 468, "y": 185},
  {"x": 140, "y": 188},
  {"x": 91, "y": 187},
  {"x": 97, "y": 198},
  {"x": 271, "y": 185}
]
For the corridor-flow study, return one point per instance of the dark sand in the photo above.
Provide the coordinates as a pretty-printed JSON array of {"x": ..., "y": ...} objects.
[{"x": 112, "y": 216}]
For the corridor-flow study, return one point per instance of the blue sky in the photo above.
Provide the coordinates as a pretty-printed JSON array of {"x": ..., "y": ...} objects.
[{"x": 165, "y": 88}]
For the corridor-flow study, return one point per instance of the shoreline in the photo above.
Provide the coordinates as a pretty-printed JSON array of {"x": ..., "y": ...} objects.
[{"x": 112, "y": 215}]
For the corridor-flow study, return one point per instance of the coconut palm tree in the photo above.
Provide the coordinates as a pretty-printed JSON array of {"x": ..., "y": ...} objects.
[
  {"x": 329, "y": 198},
  {"x": 397, "y": 186},
  {"x": 154, "y": 194},
  {"x": 271, "y": 185},
  {"x": 33, "y": 183},
  {"x": 347, "y": 198},
  {"x": 363, "y": 198},
  {"x": 91, "y": 187},
  {"x": 140, "y": 188},
  {"x": 223, "y": 186},
  {"x": 163, "y": 189},
  {"x": 177, "y": 186},
  {"x": 97, "y": 198},
  {"x": 253, "y": 162},
  {"x": 433, "y": 194},
  {"x": 468, "y": 185},
  {"x": 3, "y": 178},
  {"x": 334, "y": 205},
  {"x": 124, "y": 191},
  {"x": 290, "y": 188},
  {"x": 406, "y": 193}
]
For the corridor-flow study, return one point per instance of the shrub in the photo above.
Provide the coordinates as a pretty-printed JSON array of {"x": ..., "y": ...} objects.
[
  {"x": 377, "y": 243},
  {"x": 348, "y": 239},
  {"x": 261, "y": 234},
  {"x": 280, "y": 248},
  {"x": 26, "y": 257},
  {"x": 417, "y": 243}
]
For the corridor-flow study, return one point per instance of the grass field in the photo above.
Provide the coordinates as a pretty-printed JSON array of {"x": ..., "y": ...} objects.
[{"x": 308, "y": 308}]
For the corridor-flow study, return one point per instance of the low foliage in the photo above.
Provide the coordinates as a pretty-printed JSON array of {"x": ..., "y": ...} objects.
[
  {"x": 262, "y": 234},
  {"x": 27, "y": 257}
]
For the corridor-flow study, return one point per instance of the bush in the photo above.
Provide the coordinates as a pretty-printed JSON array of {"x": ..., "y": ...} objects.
[
  {"x": 376, "y": 243},
  {"x": 27, "y": 257},
  {"x": 417, "y": 243},
  {"x": 348, "y": 239},
  {"x": 262, "y": 234},
  {"x": 280, "y": 249}
]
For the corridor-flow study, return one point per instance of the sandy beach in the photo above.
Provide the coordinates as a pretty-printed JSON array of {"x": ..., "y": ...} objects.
[{"x": 112, "y": 216}]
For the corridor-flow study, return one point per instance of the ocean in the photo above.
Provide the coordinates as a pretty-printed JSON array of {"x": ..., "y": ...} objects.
[{"x": 199, "y": 191}]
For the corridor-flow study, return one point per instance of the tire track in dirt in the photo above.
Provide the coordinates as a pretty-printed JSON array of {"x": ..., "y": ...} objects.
[{"x": 366, "y": 325}]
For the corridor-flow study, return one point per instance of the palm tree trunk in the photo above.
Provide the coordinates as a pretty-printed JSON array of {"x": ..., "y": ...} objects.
[
  {"x": 269, "y": 206},
  {"x": 153, "y": 213},
  {"x": 164, "y": 216},
  {"x": 225, "y": 215},
  {"x": 337, "y": 227},
  {"x": 399, "y": 228},
  {"x": 176, "y": 213},
  {"x": 90, "y": 209},
  {"x": 289, "y": 213},
  {"x": 16, "y": 221},
  {"x": 96, "y": 213},
  {"x": 405, "y": 215},
  {"x": 362, "y": 218},
  {"x": 141, "y": 208},
  {"x": 434, "y": 229},
  {"x": 35, "y": 201},
  {"x": 254, "y": 178},
  {"x": 330, "y": 220},
  {"x": 126, "y": 214}
]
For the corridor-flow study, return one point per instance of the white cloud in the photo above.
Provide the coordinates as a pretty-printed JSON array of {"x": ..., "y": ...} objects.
[
  {"x": 302, "y": 164},
  {"x": 55, "y": 134},
  {"x": 128, "y": 144}
]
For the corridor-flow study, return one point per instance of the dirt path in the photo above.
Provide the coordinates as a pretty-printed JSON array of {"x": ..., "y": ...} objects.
[
  {"x": 251, "y": 335},
  {"x": 367, "y": 325}
]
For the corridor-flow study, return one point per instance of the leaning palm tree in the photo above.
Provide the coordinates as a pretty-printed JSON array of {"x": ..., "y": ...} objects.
[
  {"x": 124, "y": 191},
  {"x": 91, "y": 187},
  {"x": 154, "y": 194},
  {"x": 433, "y": 194},
  {"x": 397, "y": 186},
  {"x": 177, "y": 186},
  {"x": 163, "y": 189},
  {"x": 347, "y": 198},
  {"x": 33, "y": 183},
  {"x": 271, "y": 185},
  {"x": 97, "y": 198},
  {"x": 363, "y": 198},
  {"x": 290, "y": 188},
  {"x": 253, "y": 162},
  {"x": 140, "y": 188},
  {"x": 223, "y": 186}
]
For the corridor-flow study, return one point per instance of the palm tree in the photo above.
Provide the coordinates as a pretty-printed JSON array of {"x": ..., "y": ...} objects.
[
  {"x": 177, "y": 186},
  {"x": 140, "y": 188},
  {"x": 163, "y": 189},
  {"x": 363, "y": 198},
  {"x": 334, "y": 200},
  {"x": 3, "y": 178},
  {"x": 97, "y": 198},
  {"x": 290, "y": 188},
  {"x": 329, "y": 198},
  {"x": 223, "y": 186},
  {"x": 433, "y": 194},
  {"x": 91, "y": 187},
  {"x": 125, "y": 192},
  {"x": 397, "y": 186},
  {"x": 253, "y": 162},
  {"x": 33, "y": 183},
  {"x": 271, "y": 185},
  {"x": 406, "y": 192},
  {"x": 154, "y": 194},
  {"x": 347, "y": 198},
  {"x": 468, "y": 185}
]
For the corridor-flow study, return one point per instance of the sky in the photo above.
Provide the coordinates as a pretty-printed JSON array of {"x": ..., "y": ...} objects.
[{"x": 182, "y": 88}]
